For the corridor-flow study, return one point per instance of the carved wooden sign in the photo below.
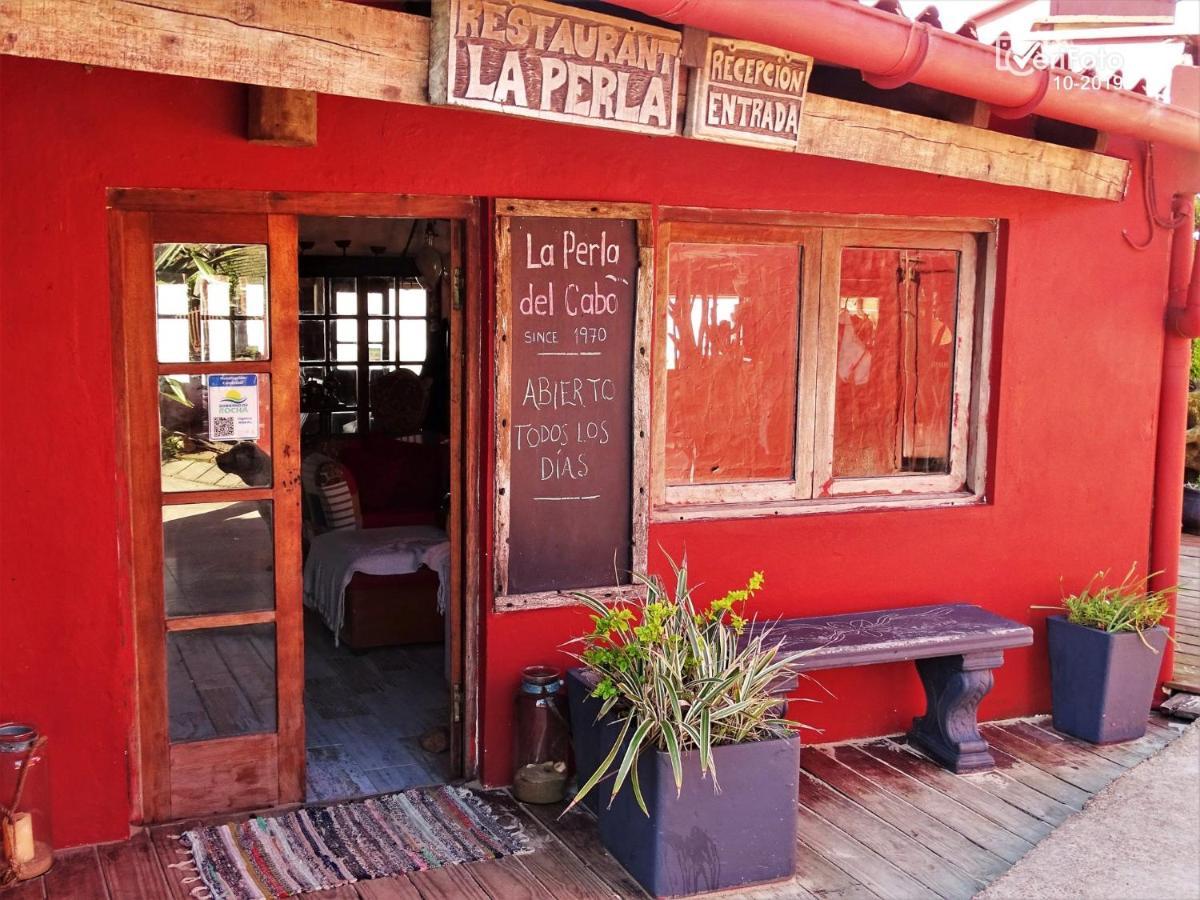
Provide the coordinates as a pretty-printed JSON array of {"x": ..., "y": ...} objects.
[
  {"x": 748, "y": 94},
  {"x": 532, "y": 58}
]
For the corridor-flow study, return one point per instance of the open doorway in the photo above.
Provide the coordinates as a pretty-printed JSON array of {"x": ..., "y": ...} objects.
[{"x": 377, "y": 482}]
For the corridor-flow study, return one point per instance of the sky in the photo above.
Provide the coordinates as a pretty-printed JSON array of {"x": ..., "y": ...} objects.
[{"x": 1153, "y": 62}]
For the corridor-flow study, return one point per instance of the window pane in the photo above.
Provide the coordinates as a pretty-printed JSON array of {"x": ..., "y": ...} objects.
[
  {"x": 344, "y": 422},
  {"x": 221, "y": 682},
  {"x": 413, "y": 339},
  {"x": 381, "y": 296},
  {"x": 344, "y": 383},
  {"x": 214, "y": 442},
  {"x": 412, "y": 301},
  {"x": 212, "y": 302},
  {"x": 345, "y": 296},
  {"x": 312, "y": 340},
  {"x": 733, "y": 316},
  {"x": 347, "y": 329},
  {"x": 312, "y": 296},
  {"x": 218, "y": 558},
  {"x": 895, "y": 366}
]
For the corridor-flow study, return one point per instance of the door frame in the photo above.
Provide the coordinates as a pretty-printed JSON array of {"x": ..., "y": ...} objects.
[{"x": 129, "y": 209}]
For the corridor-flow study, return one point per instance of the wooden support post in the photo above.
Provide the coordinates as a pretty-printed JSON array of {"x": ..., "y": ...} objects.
[{"x": 282, "y": 117}]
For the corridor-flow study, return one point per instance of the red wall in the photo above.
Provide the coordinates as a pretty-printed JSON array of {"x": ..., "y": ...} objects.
[{"x": 1073, "y": 437}]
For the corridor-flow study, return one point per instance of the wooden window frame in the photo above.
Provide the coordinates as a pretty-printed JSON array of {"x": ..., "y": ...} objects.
[
  {"x": 834, "y": 241},
  {"x": 797, "y": 487},
  {"x": 814, "y": 489}
]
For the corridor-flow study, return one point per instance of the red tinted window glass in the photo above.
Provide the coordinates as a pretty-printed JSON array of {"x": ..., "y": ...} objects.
[
  {"x": 895, "y": 361},
  {"x": 731, "y": 355}
]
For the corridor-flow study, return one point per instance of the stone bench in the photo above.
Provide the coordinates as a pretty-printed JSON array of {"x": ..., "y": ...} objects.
[{"x": 955, "y": 647}]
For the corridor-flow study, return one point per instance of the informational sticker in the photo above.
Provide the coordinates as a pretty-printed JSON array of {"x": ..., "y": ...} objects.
[{"x": 233, "y": 407}]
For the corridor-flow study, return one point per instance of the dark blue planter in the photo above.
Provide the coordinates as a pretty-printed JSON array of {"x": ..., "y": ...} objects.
[
  {"x": 1102, "y": 683},
  {"x": 700, "y": 840}
]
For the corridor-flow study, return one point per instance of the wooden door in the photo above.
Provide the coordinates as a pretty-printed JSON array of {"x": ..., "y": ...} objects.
[{"x": 207, "y": 354}]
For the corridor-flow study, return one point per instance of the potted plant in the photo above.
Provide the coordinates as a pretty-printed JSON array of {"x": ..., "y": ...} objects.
[
  {"x": 679, "y": 714},
  {"x": 1191, "y": 508},
  {"x": 1105, "y": 654}
]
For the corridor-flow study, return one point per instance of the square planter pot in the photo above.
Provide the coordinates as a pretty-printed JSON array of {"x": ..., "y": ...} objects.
[
  {"x": 1102, "y": 683},
  {"x": 700, "y": 840}
]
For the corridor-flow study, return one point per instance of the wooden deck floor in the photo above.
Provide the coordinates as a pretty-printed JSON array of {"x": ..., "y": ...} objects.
[
  {"x": 876, "y": 821},
  {"x": 1186, "y": 675}
]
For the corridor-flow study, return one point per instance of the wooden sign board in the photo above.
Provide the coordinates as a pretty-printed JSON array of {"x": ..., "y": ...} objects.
[
  {"x": 572, "y": 383},
  {"x": 748, "y": 93},
  {"x": 531, "y": 58}
]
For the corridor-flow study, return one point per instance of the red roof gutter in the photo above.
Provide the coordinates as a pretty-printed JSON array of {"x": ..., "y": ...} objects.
[{"x": 891, "y": 51}]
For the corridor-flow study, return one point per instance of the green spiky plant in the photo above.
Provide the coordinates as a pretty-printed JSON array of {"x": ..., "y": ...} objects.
[
  {"x": 681, "y": 678},
  {"x": 1129, "y": 605}
]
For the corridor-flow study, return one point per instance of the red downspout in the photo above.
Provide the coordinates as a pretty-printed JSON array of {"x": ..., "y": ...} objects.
[
  {"x": 1183, "y": 325},
  {"x": 889, "y": 49}
]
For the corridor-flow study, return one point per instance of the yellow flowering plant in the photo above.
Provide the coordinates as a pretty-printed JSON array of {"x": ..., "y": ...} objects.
[{"x": 681, "y": 677}]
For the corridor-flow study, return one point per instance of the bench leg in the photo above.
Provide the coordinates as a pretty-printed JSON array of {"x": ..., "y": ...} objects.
[{"x": 949, "y": 731}]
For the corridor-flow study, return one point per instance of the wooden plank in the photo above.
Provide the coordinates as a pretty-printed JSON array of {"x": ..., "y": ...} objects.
[
  {"x": 447, "y": 883},
  {"x": 360, "y": 51},
  {"x": 24, "y": 890},
  {"x": 214, "y": 776},
  {"x": 281, "y": 117},
  {"x": 557, "y": 869},
  {"x": 1016, "y": 768},
  {"x": 76, "y": 875},
  {"x": 942, "y": 840},
  {"x": 1000, "y": 807},
  {"x": 173, "y": 859},
  {"x": 825, "y": 880},
  {"x": 131, "y": 869},
  {"x": 1183, "y": 706},
  {"x": 780, "y": 218},
  {"x": 507, "y": 878},
  {"x": 138, "y": 438},
  {"x": 577, "y": 830},
  {"x": 220, "y": 620},
  {"x": 299, "y": 203},
  {"x": 1088, "y": 772},
  {"x": 289, "y": 561},
  {"x": 889, "y": 842},
  {"x": 1005, "y": 844},
  {"x": 847, "y": 130},
  {"x": 309, "y": 45},
  {"x": 1127, "y": 755},
  {"x": 858, "y": 861},
  {"x": 399, "y": 887}
]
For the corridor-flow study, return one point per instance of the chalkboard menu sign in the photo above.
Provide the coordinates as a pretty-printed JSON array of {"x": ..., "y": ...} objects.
[{"x": 567, "y": 338}]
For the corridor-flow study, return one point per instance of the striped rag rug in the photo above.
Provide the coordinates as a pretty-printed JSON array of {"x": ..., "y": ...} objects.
[{"x": 316, "y": 848}]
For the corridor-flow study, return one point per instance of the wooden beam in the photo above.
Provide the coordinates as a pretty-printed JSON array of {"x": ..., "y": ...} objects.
[
  {"x": 281, "y": 116},
  {"x": 311, "y": 45},
  {"x": 854, "y": 131},
  {"x": 334, "y": 47}
]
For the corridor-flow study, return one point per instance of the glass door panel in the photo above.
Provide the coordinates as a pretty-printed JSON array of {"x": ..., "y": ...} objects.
[
  {"x": 221, "y": 682},
  {"x": 215, "y": 430},
  {"x": 218, "y": 558}
]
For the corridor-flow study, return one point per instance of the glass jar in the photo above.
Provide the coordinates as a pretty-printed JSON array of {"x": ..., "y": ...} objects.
[
  {"x": 543, "y": 737},
  {"x": 542, "y": 732},
  {"x": 25, "y": 848}
]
